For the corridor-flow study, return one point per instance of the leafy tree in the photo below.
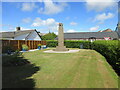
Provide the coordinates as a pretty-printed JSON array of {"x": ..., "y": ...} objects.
[{"x": 49, "y": 36}]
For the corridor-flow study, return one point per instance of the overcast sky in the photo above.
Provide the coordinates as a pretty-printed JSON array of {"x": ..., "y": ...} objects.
[{"x": 44, "y": 16}]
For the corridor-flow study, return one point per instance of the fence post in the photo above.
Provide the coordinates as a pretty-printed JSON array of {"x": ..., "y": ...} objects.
[
  {"x": 18, "y": 45},
  {"x": 32, "y": 44},
  {"x": 26, "y": 42},
  {"x": 29, "y": 45},
  {"x": 41, "y": 42},
  {"x": 9, "y": 43}
]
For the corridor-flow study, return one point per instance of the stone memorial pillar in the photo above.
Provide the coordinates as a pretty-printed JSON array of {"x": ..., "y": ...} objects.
[{"x": 60, "y": 46}]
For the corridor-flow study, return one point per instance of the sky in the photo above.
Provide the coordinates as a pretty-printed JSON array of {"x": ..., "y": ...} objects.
[{"x": 44, "y": 16}]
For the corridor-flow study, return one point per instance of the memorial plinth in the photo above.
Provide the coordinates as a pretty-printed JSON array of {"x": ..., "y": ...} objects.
[{"x": 61, "y": 46}]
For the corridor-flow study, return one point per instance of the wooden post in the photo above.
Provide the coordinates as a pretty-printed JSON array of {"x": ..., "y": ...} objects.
[
  {"x": 41, "y": 42},
  {"x": 26, "y": 42},
  {"x": 35, "y": 44},
  {"x": 9, "y": 43},
  {"x": 32, "y": 44},
  {"x": 29, "y": 44},
  {"x": 18, "y": 45}
]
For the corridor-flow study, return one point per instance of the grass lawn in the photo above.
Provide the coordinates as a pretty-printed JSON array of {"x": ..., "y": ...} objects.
[{"x": 84, "y": 69}]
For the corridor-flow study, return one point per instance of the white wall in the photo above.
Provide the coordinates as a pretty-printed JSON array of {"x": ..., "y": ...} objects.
[
  {"x": 34, "y": 36},
  {"x": 21, "y": 37}
]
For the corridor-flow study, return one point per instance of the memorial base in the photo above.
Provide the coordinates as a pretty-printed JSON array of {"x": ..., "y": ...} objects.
[{"x": 61, "y": 48}]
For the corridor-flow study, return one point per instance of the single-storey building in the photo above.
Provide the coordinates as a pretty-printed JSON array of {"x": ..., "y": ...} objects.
[
  {"x": 90, "y": 35},
  {"x": 21, "y": 35}
]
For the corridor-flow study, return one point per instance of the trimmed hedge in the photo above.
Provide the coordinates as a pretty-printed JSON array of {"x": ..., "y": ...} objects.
[
  {"x": 70, "y": 43},
  {"x": 109, "y": 49},
  {"x": 52, "y": 43}
]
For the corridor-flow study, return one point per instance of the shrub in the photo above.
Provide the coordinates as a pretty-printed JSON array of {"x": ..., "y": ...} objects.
[
  {"x": 49, "y": 36},
  {"x": 14, "y": 60},
  {"x": 39, "y": 45},
  {"x": 52, "y": 43},
  {"x": 109, "y": 49},
  {"x": 76, "y": 44},
  {"x": 25, "y": 47},
  {"x": 69, "y": 43},
  {"x": 6, "y": 48}
]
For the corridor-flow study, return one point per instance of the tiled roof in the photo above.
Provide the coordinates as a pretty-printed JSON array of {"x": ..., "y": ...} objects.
[
  {"x": 15, "y": 33},
  {"x": 107, "y": 30},
  {"x": 90, "y": 34}
]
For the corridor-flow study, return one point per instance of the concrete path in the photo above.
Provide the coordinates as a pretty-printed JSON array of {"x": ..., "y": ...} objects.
[
  {"x": 30, "y": 50},
  {"x": 70, "y": 51}
]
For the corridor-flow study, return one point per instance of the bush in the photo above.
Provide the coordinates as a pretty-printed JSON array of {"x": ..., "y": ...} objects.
[
  {"x": 24, "y": 47},
  {"x": 49, "y": 36},
  {"x": 39, "y": 45},
  {"x": 6, "y": 48},
  {"x": 109, "y": 49},
  {"x": 14, "y": 60},
  {"x": 52, "y": 43},
  {"x": 69, "y": 43}
]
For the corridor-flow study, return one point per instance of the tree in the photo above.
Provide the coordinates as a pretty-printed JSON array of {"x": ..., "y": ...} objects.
[{"x": 49, "y": 36}]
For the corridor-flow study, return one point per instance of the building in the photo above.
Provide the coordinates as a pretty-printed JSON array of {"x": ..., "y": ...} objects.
[
  {"x": 21, "y": 35},
  {"x": 90, "y": 35},
  {"x": 107, "y": 34},
  {"x": 107, "y": 30}
]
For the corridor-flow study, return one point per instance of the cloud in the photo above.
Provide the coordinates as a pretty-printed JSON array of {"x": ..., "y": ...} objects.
[
  {"x": 50, "y": 23},
  {"x": 102, "y": 17},
  {"x": 7, "y": 26},
  {"x": 94, "y": 28},
  {"x": 23, "y": 28},
  {"x": 56, "y": 33},
  {"x": 71, "y": 30},
  {"x": 39, "y": 22},
  {"x": 51, "y": 7},
  {"x": 100, "y": 5},
  {"x": 73, "y": 23},
  {"x": 67, "y": 18},
  {"x": 75, "y": 17},
  {"x": 26, "y": 20},
  {"x": 28, "y": 6}
]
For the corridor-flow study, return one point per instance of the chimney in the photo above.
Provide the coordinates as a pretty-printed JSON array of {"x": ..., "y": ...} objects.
[{"x": 17, "y": 28}]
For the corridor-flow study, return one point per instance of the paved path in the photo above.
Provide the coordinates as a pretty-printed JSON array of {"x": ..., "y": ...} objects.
[{"x": 70, "y": 51}]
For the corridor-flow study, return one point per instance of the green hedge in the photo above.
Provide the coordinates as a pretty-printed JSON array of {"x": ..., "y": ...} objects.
[
  {"x": 52, "y": 43},
  {"x": 76, "y": 44},
  {"x": 109, "y": 49},
  {"x": 70, "y": 44}
]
